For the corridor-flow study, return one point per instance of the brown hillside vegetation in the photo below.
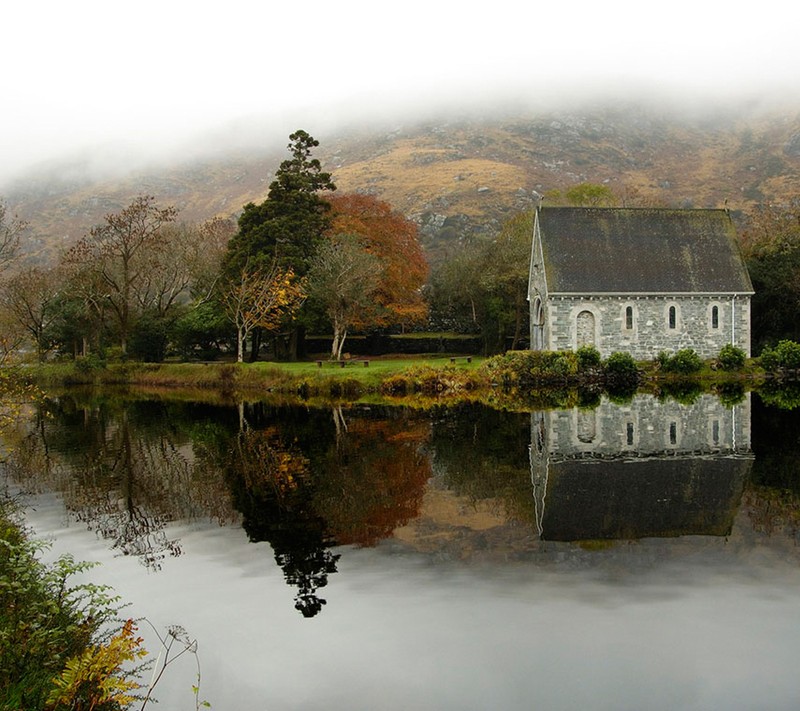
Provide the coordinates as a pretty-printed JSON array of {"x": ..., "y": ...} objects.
[{"x": 459, "y": 178}]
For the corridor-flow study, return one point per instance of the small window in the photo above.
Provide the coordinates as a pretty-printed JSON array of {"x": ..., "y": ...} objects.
[
  {"x": 715, "y": 432},
  {"x": 673, "y": 433},
  {"x": 629, "y": 433},
  {"x": 715, "y": 317},
  {"x": 629, "y": 317},
  {"x": 673, "y": 317}
]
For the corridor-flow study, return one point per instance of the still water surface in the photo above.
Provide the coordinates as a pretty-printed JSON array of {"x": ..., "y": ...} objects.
[{"x": 634, "y": 556}]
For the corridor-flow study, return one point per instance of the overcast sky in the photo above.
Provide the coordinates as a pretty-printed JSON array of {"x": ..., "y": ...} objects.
[{"x": 82, "y": 73}]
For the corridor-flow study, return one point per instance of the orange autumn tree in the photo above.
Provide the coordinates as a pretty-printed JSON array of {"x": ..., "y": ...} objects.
[{"x": 394, "y": 240}]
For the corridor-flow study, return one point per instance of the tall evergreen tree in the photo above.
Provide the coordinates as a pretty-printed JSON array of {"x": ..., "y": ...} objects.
[{"x": 286, "y": 227}]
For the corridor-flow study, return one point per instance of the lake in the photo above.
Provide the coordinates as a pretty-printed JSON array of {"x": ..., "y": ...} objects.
[{"x": 637, "y": 554}]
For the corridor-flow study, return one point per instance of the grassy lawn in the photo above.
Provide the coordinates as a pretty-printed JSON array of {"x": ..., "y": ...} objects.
[
  {"x": 369, "y": 373},
  {"x": 356, "y": 366},
  {"x": 262, "y": 375}
]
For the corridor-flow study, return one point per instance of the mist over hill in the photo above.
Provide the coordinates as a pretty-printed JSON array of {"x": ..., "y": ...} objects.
[{"x": 456, "y": 177}]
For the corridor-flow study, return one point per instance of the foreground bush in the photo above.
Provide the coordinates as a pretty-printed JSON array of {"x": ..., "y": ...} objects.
[
  {"x": 621, "y": 367},
  {"x": 785, "y": 355},
  {"x": 684, "y": 362},
  {"x": 731, "y": 358},
  {"x": 47, "y": 623},
  {"x": 62, "y": 644},
  {"x": 588, "y": 357}
]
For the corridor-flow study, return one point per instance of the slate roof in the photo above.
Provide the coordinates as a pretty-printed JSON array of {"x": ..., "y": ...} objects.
[
  {"x": 658, "y": 496},
  {"x": 640, "y": 250}
]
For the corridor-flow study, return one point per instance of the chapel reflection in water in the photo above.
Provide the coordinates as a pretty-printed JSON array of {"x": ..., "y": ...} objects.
[
  {"x": 645, "y": 468},
  {"x": 453, "y": 482}
]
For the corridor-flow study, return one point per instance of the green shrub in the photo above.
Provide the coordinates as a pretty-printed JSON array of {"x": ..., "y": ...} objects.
[
  {"x": 685, "y": 362},
  {"x": 785, "y": 355},
  {"x": 148, "y": 339},
  {"x": 588, "y": 357},
  {"x": 558, "y": 364},
  {"x": 45, "y": 617},
  {"x": 769, "y": 359},
  {"x": 731, "y": 358},
  {"x": 788, "y": 354},
  {"x": 663, "y": 359},
  {"x": 621, "y": 366},
  {"x": 89, "y": 363},
  {"x": 201, "y": 332}
]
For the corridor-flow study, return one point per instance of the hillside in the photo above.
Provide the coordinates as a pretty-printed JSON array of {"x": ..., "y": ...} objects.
[{"x": 461, "y": 177}]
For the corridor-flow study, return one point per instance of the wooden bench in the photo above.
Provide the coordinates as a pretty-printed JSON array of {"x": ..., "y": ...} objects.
[{"x": 343, "y": 363}]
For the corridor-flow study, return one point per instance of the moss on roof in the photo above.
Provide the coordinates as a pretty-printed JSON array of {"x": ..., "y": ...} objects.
[{"x": 641, "y": 250}]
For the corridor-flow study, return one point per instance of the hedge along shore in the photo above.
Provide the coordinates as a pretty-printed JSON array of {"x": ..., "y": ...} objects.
[{"x": 520, "y": 371}]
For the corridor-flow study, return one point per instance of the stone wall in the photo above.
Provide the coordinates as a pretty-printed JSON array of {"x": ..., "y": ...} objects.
[
  {"x": 652, "y": 331},
  {"x": 647, "y": 427}
]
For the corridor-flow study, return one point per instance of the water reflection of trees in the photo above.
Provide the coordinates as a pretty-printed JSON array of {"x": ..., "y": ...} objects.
[
  {"x": 374, "y": 478},
  {"x": 773, "y": 500},
  {"x": 124, "y": 470},
  {"x": 482, "y": 454},
  {"x": 305, "y": 480},
  {"x": 318, "y": 481}
]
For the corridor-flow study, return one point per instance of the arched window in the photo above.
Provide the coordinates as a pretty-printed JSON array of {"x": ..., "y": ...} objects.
[
  {"x": 673, "y": 317},
  {"x": 629, "y": 317},
  {"x": 715, "y": 316},
  {"x": 537, "y": 325}
]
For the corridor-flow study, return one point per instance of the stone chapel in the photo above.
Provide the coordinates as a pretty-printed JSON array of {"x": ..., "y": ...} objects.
[{"x": 637, "y": 280}]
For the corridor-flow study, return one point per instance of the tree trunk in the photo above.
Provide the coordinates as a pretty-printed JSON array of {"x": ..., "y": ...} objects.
[
  {"x": 239, "y": 345},
  {"x": 298, "y": 342},
  {"x": 341, "y": 344},
  {"x": 255, "y": 345}
]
